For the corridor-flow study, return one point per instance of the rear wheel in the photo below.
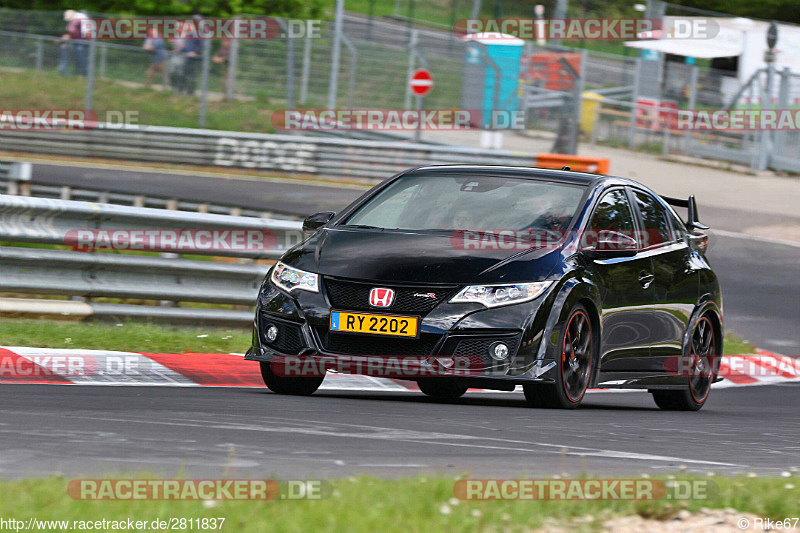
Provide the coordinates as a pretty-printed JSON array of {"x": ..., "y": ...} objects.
[
  {"x": 442, "y": 388},
  {"x": 304, "y": 386},
  {"x": 574, "y": 366},
  {"x": 702, "y": 365}
]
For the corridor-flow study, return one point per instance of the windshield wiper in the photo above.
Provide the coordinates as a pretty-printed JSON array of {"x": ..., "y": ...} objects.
[{"x": 360, "y": 226}]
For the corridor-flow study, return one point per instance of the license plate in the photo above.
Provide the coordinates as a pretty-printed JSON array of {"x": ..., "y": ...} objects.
[{"x": 392, "y": 325}]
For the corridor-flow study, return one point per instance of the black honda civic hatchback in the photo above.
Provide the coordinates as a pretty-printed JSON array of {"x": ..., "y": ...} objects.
[{"x": 491, "y": 277}]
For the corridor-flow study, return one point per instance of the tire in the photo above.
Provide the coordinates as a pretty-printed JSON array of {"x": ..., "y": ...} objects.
[
  {"x": 573, "y": 369},
  {"x": 441, "y": 388},
  {"x": 704, "y": 365},
  {"x": 292, "y": 386}
]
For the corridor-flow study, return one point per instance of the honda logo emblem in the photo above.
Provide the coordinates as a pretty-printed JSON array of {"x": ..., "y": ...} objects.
[{"x": 381, "y": 297}]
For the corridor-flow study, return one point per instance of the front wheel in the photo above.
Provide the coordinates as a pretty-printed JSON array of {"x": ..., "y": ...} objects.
[
  {"x": 702, "y": 364},
  {"x": 574, "y": 366},
  {"x": 288, "y": 385},
  {"x": 441, "y": 388}
]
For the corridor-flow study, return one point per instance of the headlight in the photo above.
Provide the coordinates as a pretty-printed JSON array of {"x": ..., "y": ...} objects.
[
  {"x": 289, "y": 279},
  {"x": 497, "y": 295}
]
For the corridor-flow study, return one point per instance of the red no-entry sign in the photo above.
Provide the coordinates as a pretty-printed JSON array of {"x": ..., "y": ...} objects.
[{"x": 421, "y": 82}]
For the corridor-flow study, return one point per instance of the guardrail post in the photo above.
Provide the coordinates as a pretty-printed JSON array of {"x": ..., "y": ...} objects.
[
  {"x": 168, "y": 303},
  {"x": 19, "y": 175},
  {"x": 66, "y": 192}
]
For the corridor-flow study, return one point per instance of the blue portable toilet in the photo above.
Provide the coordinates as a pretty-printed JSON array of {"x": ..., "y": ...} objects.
[{"x": 479, "y": 77}]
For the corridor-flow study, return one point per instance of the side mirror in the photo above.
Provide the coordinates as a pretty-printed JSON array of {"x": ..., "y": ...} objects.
[
  {"x": 612, "y": 244},
  {"x": 316, "y": 221}
]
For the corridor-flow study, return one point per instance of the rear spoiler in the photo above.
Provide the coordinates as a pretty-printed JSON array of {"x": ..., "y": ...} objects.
[{"x": 692, "y": 221}]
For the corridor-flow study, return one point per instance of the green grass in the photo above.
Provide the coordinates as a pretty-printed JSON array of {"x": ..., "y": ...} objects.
[
  {"x": 369, "y": 504},
  {"x": 127, "y": 336},
  {"x": 49, "y": 90},
  {"x": 735, "y": 346}
]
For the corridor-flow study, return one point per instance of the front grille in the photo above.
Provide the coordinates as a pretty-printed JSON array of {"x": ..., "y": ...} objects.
[
  {"x": 289, "y": 339},
  {"x": 348, "y": 344},
  {"x": 355, "y": 296}
]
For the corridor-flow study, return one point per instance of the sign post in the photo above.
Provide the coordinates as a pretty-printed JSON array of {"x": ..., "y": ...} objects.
[
  {"x": 765, "y": 146},
  {"x": 421, "y": 83}
]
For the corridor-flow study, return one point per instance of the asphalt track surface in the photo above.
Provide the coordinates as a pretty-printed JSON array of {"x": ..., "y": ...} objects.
[
  {"x": 86, "y": 430},
  {"x": 251, "y": 432}
]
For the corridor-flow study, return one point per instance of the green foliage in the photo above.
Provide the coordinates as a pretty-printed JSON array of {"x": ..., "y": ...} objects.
[
  {"x": 781, "y": 10},
  {"x": 211, "y": 8}
]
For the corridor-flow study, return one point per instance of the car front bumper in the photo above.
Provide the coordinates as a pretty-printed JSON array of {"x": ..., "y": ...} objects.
[{"x": 454, "y": 340}]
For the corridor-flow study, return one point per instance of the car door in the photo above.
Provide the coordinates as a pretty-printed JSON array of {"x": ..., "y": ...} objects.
[
  {"x": 625, "y": 286},
  {"x": 674, "y": 285}
]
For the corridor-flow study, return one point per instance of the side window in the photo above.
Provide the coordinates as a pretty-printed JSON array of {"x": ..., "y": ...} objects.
[
  {"x": 654, "y": 217},
  {"x": 678, "y": 228},
  {"x": 613, "y": 213}
]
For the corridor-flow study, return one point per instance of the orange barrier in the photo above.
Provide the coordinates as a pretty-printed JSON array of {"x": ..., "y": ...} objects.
[{"x": 596, "y": 165}]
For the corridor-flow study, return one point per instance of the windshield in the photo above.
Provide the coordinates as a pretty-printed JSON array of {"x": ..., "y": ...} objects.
[{"x": 452, "y": 202}]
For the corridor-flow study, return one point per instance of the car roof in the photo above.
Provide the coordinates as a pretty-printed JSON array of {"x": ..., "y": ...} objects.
[{"x": 566, "y": 176}]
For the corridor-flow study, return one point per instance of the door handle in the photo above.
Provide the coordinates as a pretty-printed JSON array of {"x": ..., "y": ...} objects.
[{"x": 646, "y": 278}]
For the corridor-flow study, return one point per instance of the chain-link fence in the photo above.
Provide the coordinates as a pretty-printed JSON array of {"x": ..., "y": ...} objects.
[{"x": 616, "y": 98}]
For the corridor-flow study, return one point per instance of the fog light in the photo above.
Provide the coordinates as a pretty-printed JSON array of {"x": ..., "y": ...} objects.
[
  {"x": 498, "y": 351},
  {"x": 272, "y": 333}
]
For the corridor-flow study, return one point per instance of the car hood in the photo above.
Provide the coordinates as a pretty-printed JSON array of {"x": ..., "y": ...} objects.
[{"x": 424, "y": 257}]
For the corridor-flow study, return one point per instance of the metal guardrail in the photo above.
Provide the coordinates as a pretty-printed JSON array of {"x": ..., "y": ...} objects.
[
  {"x": 127, "y": 276},
  {"x": 41, "y": 271},
  {"x": 293, "y": 154},
  {"x": 46, "y": 221},
  {"x": 15, "y": 186}
]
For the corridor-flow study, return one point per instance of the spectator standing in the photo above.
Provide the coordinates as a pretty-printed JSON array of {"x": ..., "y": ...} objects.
[
  {"x": 222, "y": 57},
  {"x": 73, "y": 47},
  {"x": 176, "y": 62},
  {"x": 158, "y": 54},
  {"x": 192, "y": 51}
]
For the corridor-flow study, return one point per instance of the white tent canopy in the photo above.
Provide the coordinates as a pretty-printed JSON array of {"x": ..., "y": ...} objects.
[
  {"x": 690, "y": 47},
  {"x": 729, "y": 42}
]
